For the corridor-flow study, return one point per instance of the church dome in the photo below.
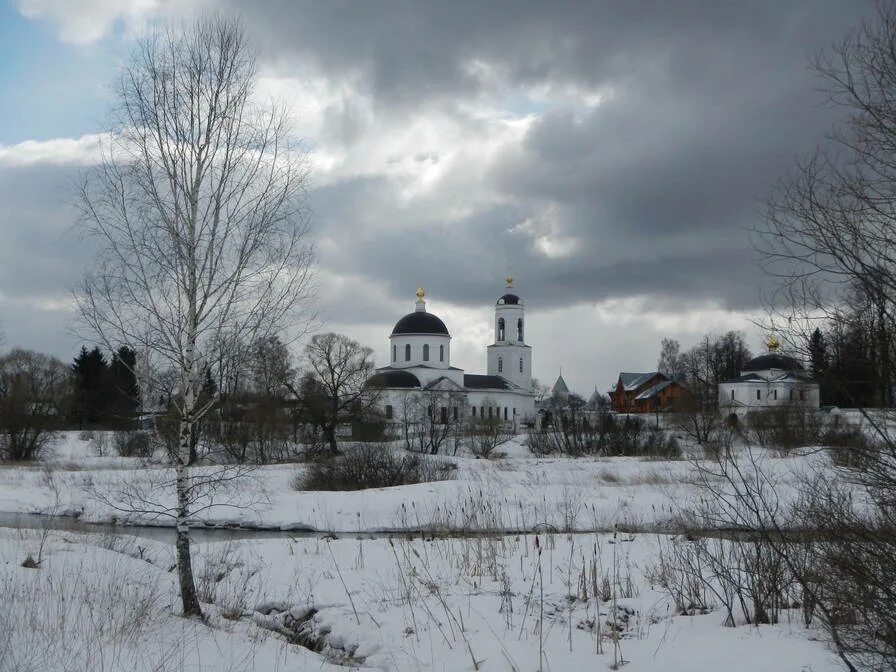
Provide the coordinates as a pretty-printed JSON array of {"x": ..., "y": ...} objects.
[
  {"x": 509, "y": 299},
  {"x": 420, "y": 322},
  {"x": 773, "y": 360}
]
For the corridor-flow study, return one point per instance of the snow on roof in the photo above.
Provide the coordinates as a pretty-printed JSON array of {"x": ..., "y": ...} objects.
[
  {"x": 631, "y": 381},
  {"x": 652, "y": 391}
]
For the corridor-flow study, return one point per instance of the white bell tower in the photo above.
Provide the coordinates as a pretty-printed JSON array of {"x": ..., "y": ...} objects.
[{"x": 509, "y": 356}]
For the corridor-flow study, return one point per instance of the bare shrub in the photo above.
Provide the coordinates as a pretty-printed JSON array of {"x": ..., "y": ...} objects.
[
  {"x": 133, "y": 444},
  {"x": 101, "y": 442},
  {"x": 486, "y": 434},
  {"x": 784, "y": 428},
  {"x": 372, "y": 466},
  {"x": 577, "y": 434}
]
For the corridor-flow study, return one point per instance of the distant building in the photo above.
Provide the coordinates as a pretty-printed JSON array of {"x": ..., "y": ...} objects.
[
  {"x": 769, "y": 381},
  {"x": 560, "y": 389},
  {"x": 646, "y": 393},
  {"x": 420, "y": 366}
]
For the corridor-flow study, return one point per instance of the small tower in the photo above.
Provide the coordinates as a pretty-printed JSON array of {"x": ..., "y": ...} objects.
[{"x": 509, "y": 356}]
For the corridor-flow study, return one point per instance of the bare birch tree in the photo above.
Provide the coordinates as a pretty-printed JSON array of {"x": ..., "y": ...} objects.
[{"x": 198, "y": 208}]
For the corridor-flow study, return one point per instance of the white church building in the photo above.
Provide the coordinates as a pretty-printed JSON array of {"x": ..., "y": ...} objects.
[
  {"x": 769, "y": 381},
  {"x": 420, "y": 367}
]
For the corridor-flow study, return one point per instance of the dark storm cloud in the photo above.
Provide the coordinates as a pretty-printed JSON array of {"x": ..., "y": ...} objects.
[
  {"x": 705, "y": 106},
  {"x": 41, "y": 254}
]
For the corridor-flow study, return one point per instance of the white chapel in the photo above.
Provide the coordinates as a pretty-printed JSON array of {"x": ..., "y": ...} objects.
[{"x": 420, "y": 351}]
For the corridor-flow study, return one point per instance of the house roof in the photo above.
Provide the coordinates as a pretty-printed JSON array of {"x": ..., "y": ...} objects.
[
  {"x": 632, "y": 381},
  {"x": 560, "y": 386},
  {"x": 654, "y": 390},
  {"x": 473, "y": 381},
  {"x": 393, "y": 378}
]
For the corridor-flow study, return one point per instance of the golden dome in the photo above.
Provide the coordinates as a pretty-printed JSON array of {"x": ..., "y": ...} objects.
[{"x": 772, "y": 342}]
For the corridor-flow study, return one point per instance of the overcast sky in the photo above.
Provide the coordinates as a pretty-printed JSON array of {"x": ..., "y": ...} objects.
[{"x": 612, "y": 156}]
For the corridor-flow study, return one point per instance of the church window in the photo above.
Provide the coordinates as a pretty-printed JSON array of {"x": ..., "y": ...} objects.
[
  {"x": 394, "y": 353},
  {"x": 474, "y": 411},
  {"x": 791, "y": 395},
  {"x": 490, "y": 409},
  {"x": 519, "y": 330},
  {"x": 758, "y": 394},
  {"x": 426, "y": 352},
  {"x": 388, "y": 411},
  {"x": 456, "y": 412},
  {"x": 441, "y": 353},
  {"x": 500, "y": 328},
  {"x": 521, "y": 364},
  {"x": 443, "y": 413},
  {"x": 775, "y": 393},
  {"x": 505, "y": 412},
  {"x": 500, "y": 364},
  {"x": 407, "y": 352},
  {"x": 482, "y": 411},
  {"x": 802, "y": 395},
  {"x": 732, "y": 395}
]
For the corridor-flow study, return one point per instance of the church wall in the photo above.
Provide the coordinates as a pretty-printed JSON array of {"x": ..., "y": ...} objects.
[
  {"x": 758, "y": 395},
  {"x": 417, "y": 341},
  {"x": 501, "y": 399}
]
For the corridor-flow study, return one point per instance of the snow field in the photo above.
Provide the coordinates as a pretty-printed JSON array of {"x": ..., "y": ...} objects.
[{"x": 489, "y": 603}]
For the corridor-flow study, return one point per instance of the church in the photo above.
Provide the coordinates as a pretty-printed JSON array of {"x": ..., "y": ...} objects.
[
  {"x": 420, "y": 369},
  {"x": 769, "y": 381}
]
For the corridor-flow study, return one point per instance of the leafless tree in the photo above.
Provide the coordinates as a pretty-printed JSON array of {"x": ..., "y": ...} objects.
[
  {"x": 198, "y": 208},
  {"x": 334, "y": 390},
  {"x": 485, "y": 434},
  {"x": 34, "y": 391},
  {"x": 432, "y": 420},
  {"x": 829, "y": 240}
]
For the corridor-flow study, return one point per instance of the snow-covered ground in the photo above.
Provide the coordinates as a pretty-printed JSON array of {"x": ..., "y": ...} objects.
[
  {"x": 516, "y": 602},
  {"x": 517, "y": 493},
  {"x": 502, "y": 603}
]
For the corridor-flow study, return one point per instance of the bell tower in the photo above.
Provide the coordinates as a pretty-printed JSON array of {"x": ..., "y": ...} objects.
[{"x": 509, "y": 356}]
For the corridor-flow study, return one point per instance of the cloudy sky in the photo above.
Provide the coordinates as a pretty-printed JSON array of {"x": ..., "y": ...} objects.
[{"x": 612, "y": 156}]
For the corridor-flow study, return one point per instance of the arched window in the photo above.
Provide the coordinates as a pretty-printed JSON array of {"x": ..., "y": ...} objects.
[
  {"x": 407, "y": 352},
  {"x": 500, "y": 328},
  {"x": 394, "y": 353},
  {"x": 521, "y": 364},
  {"x": 426, "y": 352},
  {"x": 519, "y": 330},
  {"x": 441, "y": 353},
  {"x": 500, "y": 365},
  {"x": 732, "y": 393}
]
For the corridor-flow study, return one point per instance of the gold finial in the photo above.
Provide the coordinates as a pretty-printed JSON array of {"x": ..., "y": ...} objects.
[
  {"x": 420, "y": 295},
  {"x": 509, "y": 280},
  {"x": 772, "y": 342}
]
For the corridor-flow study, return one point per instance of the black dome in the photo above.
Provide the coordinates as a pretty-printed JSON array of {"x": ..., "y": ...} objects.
[
  {"x": 511, "y": 299},
  {"x": 393, "y": 379},
  {"x": 420, "y": 322},
  {"x": 773, "y": 361}
]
